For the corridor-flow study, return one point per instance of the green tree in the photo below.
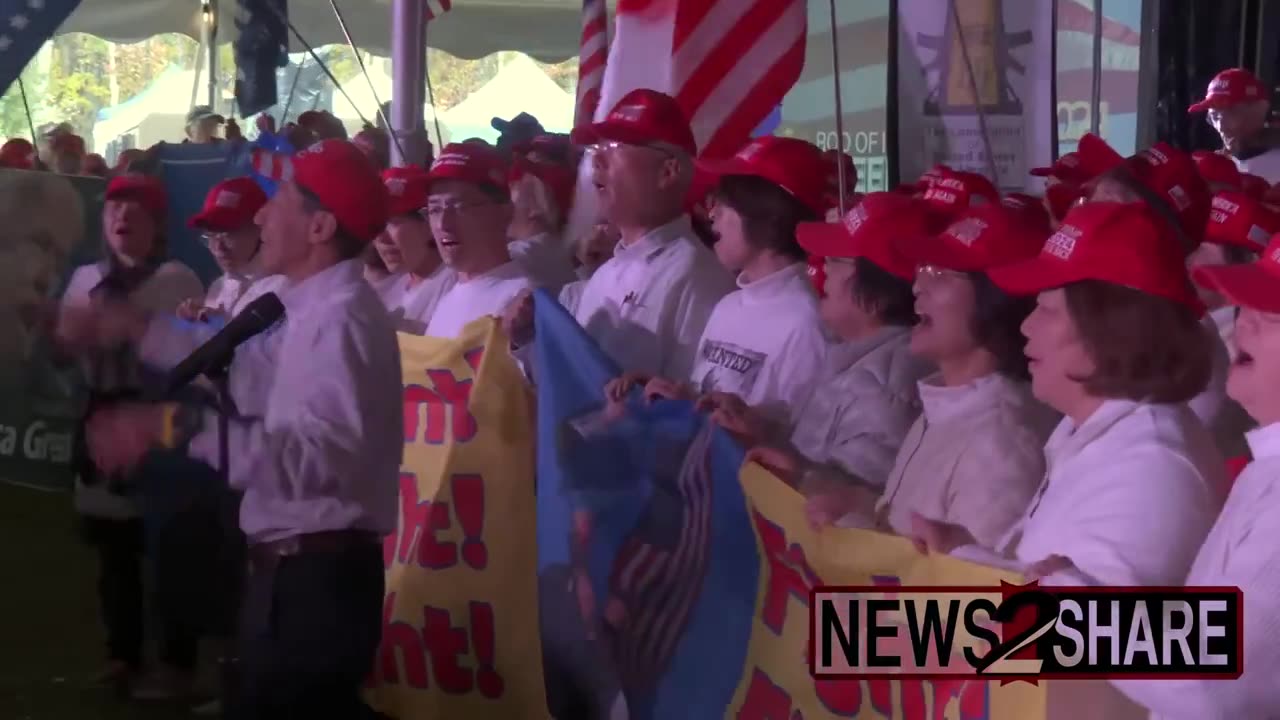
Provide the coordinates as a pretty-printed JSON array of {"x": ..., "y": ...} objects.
[
  {"x": 78, "y": 83},
  {"x": 454, "y": 78},
  {"x": 13, "y": 116},
  {"x": 565, "y": 74}
]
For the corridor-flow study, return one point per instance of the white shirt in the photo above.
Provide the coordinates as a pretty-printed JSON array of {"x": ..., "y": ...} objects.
[
  {"x": 648, "y": 305},
  {"x": 1128, "y": 496},
  {"x": 468, "y": 300},
  {"x": 233, "y": 291},
  {"x": 866, "y": 402},
  {"x": 764, "y": 343},
  {"x": 317, "y": 441},
  {"x": 1241, "y": 551},
  {"x": 1265, "y": 166},
  {"x": 163, "y": 292},
  {"x": 545, "y": 260},
  {"x": 412, "y": 304}
]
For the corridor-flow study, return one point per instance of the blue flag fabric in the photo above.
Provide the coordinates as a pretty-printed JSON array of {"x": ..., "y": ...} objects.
[
  {"x": 189, "y": 171},
  {"x": 27, "y": 24},
  {"x": 261, "y": 48},
  {"x": 647, "y": 562}
]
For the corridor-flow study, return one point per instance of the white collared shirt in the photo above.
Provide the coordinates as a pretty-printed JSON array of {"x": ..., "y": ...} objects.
[
  {"x": 1128, "y": 496},
  {"x": 1240, "y": 551},
  {"x": 469, "y": 300},
  {"x": 411, "y": 303},
  {"x": 317, "y": 442},
  {"x": 648, "y": 305},
  {"x": 231, "y": 292},
  {"x": 764, "y": 343},
  {"x": 1265, "y": 165}
]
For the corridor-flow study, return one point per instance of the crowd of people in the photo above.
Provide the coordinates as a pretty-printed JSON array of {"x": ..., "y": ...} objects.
[{"x": 1052, "y": 383}]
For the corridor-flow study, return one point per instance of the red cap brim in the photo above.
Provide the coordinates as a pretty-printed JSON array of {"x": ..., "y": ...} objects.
[
  {"x": 825, "y": 239},
  {"x": 1033, "y": 276},
  {"x": 1245, "y": 285},
  {"x": 625, "y": 133},
  {"x": 938, "y": 251},
  {"x": 216, "y": 219},
  {"x": 1220, "y": 102},
  {"x": 1042, "y": 172}
]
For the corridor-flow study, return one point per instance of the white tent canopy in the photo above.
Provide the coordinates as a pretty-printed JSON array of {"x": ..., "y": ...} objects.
[
  {"x": 545, "y": 29},
  {"x": 365, "y": 100},
  {"x": 519, "y": 86}
]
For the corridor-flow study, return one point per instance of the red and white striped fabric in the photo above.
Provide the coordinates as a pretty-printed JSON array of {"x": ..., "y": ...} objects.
[
  {"x": 436, "y": 8},
  {"x": 273, "y": 166},
  {"x": 592, "y": 53},
  {"x": 728, "y": 62}
]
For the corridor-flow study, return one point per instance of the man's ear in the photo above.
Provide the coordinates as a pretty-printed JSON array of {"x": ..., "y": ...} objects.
[{"x": 323, "y": 227}]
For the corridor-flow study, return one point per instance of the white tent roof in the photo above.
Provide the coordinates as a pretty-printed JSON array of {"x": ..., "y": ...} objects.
[
  {"x": 545, "y": 29},
  {"x": 519, "y": 86},
  {"x": 364, "y": 100}
]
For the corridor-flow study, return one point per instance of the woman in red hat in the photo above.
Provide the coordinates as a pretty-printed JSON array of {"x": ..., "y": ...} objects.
[
  {"x": 541, "y": 197},
  {"x": 136, "y": 271},
  {"x": 975, "y": 456},
  {"x": 1241, "y": 550},
  {"x": 764, "y": 342},
  {"x": 1134, "y": 480}
]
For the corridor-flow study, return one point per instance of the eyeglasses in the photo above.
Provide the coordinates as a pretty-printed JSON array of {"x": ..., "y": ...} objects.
[
  {"x": 222, "y": 238},
  {"x": 609, "y": 145},
  {"x": 436, "y": 210}
]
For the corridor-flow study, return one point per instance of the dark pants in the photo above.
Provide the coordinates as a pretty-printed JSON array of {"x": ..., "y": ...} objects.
[
  {"x": 119, "y": 545},
  {"x": 309, "y": 631}
]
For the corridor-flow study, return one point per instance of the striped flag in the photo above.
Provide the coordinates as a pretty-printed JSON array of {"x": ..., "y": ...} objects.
[
  {"x": 25, "y": 25},
  {"x": 592, "y": 54},
  {"x": 436, "y": 8}
]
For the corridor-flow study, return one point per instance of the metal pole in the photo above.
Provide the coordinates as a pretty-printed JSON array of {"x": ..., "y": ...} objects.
[
  {"x": 1095, "y": 99},
  {"x": 835, "y": 80},
  {"x": 977, "y": 97},
  {"x": 209, "y": 13},
  {"x": 408, "y": 80},
  {"x": 351, "y": 43}
]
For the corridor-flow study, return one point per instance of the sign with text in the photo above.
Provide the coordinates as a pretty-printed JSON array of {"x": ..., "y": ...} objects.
[
  {"x": 1026, "y": 632},
  {"x": 460, "y": 619}
]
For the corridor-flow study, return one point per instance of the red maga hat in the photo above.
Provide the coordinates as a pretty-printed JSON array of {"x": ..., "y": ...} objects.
[
  {"x": 1217, "y": 169},
  {"x": 230, "y": 205},
  {"x": 1172, "y": 175},
  {"x": 145, "y": 190},
  {"x": 470, "y": 162},
  {"x": 347, "y": 185},
  {"x": 790, "y": 163},
  {"x": 1254, "y": 285},
  {"x": 879, "y": 228},
  {"x": 1239, "y": 220},
  {"x": 983, "y": 238},
  {"x": 1067, "y": 168},
  {"x": 642, "y": 117},
  {"x": 1231, "y": 87},
  {"x": 406, "y": 189},
  {"x": 560, "y": 179}
]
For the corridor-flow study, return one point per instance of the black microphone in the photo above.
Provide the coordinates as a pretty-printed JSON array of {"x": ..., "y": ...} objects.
[{"x": 215, "y": 354}]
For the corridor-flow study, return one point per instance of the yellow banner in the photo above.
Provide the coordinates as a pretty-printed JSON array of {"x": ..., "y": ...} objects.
[
  {"x": 776, "y": 684},
  {"x": 460, "y": 619}
]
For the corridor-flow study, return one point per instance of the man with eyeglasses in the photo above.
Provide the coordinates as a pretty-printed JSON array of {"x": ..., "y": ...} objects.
[
  {"x": 315, "y": 444},
  {"x": 648, "y": 305},
  {"x": 233, "y": 239},
  {"x": 1237, "y": 105},
  {"x": 419, "y": 278},
  {"x": 469, "y": 208}
]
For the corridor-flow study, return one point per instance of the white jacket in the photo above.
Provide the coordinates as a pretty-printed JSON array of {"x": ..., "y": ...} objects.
[{"x": 866, "y": 401}]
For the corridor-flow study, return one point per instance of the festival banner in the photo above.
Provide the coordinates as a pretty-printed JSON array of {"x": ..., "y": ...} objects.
[
  {"x": 52, "y": 224},
  {"x": 460, "y": 633},
  {"x": 975, "y": 88}
]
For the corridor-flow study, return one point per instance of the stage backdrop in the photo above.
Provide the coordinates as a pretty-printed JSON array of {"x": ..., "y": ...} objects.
[
  {"x": 975, "y": 87},
  {"x": 460, "y": 633}
]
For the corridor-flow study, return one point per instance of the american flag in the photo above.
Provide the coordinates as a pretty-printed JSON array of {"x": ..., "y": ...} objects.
[
  {"x": 262, "y": 42},
  {"x": 273, "y": 166},
  {"x": 658, "y": 572},
  {"x": 25, "y": 25},
  {"x": 592, "y": 53},
  {"x": 436, "y": 8}
]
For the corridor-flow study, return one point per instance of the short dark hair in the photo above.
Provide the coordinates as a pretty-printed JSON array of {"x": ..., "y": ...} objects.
[
  {"x": 769, "y": 213},
  {"x": 348, "y": 245},
  {"x": 883, "y": 294},
  {"x": 1144, "y": 348},
  {"x": 997, "y": 324}
]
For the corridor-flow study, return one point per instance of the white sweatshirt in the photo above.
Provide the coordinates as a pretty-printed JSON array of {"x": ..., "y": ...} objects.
[
  {"x": 764, "y": 343},
  {"x": 411, "y": 306},
  {"x": 1241, "y": 551},
  {"x": 487, "y": 294}
]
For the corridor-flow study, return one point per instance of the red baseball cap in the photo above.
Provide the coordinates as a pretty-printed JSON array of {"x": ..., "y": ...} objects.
[
  {"x": 642, "y": 117},
  {"x": 560, "y": 179},
  {"x": 1172, "y": 175},
  {"x": 790, "y": 163},
  {"x": 470, "y": 162},
  {"x": 1030, "y": 210},
  {"x": 1096, "y": 157},
  {"x": 1239, "y": 220},
  {"x": 1123, "y": 244},
  {"x": 1231, "y": 87},
  {"x": 879, "y": 228},
  {"x": 1254, "y": 285},
  {"x": 835, "y": 160},
  {"x": 983, "y": 238},
  {"x": 145, "y": 190},
  {"x": 1217, "y": 169},
  {"x": 1061, "y": 197},
  {"x": 346, "y": 183},
  {"x": 230, "y": 205},
  {"x": 406, "y": 190},
  {"x": 1254, "y": 186},
  {"x": 18, "y": 153},
  {"x": 1067, "y": 168},
  {"x": 954, "y": 191}
]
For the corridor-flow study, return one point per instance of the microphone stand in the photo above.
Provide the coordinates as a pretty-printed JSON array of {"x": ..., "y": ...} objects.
[{"x": 229, "y": 519}]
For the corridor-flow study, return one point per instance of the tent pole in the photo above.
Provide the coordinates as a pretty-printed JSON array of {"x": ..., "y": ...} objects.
[
  {"x": 408, "y": 80},
  {"x": 209, "y": 16}
]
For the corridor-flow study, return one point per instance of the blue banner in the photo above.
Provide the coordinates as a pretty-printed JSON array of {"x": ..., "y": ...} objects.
[
  {"x": 647, "y": 561},
  {"x": 189, "y": 171}
]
